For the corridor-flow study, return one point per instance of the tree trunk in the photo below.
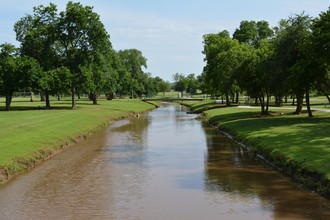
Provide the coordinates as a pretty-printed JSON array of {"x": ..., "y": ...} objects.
[
  {"x": 277, "y": 100},
  {"x": 47, "y": 99},
  {"x": 293, "y": 100},
  {"x": 42, "y": 97},
  {"x": 93, "y": 98},
  {"x": 227, "y": 100},
  {"x": 267, "y": 104},
  {"x": 256, "y": 101},
  {"x": 262, "y": 104},
  {"x": 310, "y": 114},
  {"x": 73, "y": 99},
  {"x": 286, "y": 99},
  {"x": 237, "y": 97},
  {"x": 300, "y": 99},
  {"x": 9, "y": 96},
  {"x": 327, "y": 97},
  {"x": 58, "y": 97},
  {"x": 31, "y": 96}
]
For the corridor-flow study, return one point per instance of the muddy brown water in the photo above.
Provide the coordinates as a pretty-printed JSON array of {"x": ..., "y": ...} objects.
[{"x": 163, "y": 165}]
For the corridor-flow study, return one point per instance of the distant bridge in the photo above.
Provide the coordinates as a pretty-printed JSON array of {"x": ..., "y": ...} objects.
[{"x": 173, "y": 99}]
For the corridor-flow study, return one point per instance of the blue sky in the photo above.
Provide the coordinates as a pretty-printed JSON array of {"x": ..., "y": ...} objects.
[{"x": 168, "y": 32}]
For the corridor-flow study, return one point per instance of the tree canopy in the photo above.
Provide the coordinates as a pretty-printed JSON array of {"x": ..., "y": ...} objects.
[
  {"x": 292, "y": 59},
  {"x": 70, "y": 51}
]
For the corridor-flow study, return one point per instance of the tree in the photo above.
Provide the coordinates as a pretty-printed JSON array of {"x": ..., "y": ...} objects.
[
  {"x": 320, "y": 51},
  {"x": 37, "y": 34},
  {"x": 291, "y": 53},
  {"x": 252, "y": 32},
  {"x": 161, "y": 85},
  {"x": 253, "y": 75},
  {"x": 222, "y": 62},
  {"x": 192, "y": 84},
  {"x": 133, "y": 61},
  {"x": 180, "y": 83},
  {"x": 82, "y": 39},
  {"x": 99, "y": 73},
  {"x": 15, "y": 72}
]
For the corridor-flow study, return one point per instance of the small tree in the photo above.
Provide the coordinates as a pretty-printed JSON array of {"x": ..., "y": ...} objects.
[
  {"x": 192, "y": 84},
  {"x": 180, "y": 83}
]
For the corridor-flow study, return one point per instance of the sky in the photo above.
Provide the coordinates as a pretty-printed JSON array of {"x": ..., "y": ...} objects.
[{"x": 169, "y": 33}]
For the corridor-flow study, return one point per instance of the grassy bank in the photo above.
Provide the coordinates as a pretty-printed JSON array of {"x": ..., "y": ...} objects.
[
  {"x": 201, "y": 106},
  {"x": 296, "y": 144},
  {"x": 30, "y": 134}
]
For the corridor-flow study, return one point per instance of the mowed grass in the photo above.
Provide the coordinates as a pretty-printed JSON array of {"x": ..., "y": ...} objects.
[
  {"x": 294, "y": 137},
  {"x": 200, "y": 106},
  {"x": 29, "y": 132}
]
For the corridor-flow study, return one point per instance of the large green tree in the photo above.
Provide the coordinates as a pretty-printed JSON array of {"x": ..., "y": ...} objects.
[
  {"x": 222, "y": 61},
  {"x": 321, "y": 51},
  {"x": 252, "y": 32},
  {"x": 15, "y": 72},
  {"x": 292, "y": 57},
  {"x": 38, "y": 36},
  {"x": 82, "y": 39},
  {"x": 133, "y": 61},
  {"x": 253, "y": 74}
]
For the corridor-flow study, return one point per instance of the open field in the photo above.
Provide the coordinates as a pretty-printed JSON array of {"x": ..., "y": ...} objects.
[{"x": 29, "y": 133}]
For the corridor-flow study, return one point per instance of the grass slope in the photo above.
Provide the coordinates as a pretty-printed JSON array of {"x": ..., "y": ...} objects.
[
  {"x": 32, "y": 134},
  {"x": 200, "y": 106}
]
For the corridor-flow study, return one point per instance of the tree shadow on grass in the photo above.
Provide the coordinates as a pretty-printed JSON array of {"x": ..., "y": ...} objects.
[{"x": 34, "y": 108}]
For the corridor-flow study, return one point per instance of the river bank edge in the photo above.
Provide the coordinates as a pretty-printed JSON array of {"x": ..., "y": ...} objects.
[
  {"x": 309, "y": 179},
  {"x": 28, "y": 162}
]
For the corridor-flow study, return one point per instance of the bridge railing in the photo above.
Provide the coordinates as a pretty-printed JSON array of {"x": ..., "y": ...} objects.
[{"x": 173, "y": 99}]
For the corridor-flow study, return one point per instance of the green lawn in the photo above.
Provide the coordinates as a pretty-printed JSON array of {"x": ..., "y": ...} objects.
[
  {"x": 29, "y": 133},
  {"x": 200, "y": 106}
]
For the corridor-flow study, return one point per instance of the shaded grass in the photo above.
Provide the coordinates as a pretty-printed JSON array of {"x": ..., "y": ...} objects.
[
  {"x": 31, "y": 135},
  {"x": 296, "y": 143}
]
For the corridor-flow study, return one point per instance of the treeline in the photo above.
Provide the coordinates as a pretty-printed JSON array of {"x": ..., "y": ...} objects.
[
  {"x": 70, "y": 52},
  {"x": 290, "y": 60},
  {"x": 189, "y": 84}
]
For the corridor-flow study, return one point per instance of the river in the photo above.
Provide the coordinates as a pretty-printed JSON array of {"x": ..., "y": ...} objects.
[{"x": 162, "y": 165}]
